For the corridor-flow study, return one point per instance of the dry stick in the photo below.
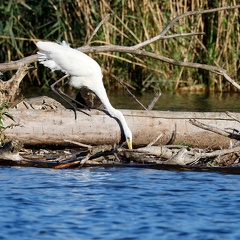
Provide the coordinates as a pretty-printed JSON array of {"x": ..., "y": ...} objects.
[
  {"x": 125, "y": 87},
  {"x": 155, "y": 140},
  {"x": 182, "y": 35},
  {"x": 105, "y": 19},
  {"x": 74, "y": 163},
  {"x": 170, "y": 24},
  {"x": 78, "y": 144},
  {"x": 113, "y": 48},
  {"x": 85, "y": 159},
  {"x": 154, "y": 100},
  {"x": 233, "y": 117},
  {"x": 214, "y": 153},
  {"x": 13, "y": 65},
  {"x": 67, "y": 165},
  {"x": 220, "y": 152},
  {"x": 135, "y": 49},
  {"x": 214, "y": 129},
  {"x": 217, "y": 70}
]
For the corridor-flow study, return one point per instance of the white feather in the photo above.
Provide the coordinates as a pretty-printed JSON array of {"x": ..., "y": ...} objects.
[{"x": 84, "y": 71}]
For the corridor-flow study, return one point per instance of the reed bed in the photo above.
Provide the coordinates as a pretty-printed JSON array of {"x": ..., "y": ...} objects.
[{"x": 26, "y": 21}]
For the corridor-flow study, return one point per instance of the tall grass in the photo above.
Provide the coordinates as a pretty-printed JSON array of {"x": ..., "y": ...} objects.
[{"x": 26, "y": 21}]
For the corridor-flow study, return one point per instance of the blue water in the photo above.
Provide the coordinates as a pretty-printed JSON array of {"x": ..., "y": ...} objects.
[{"x": 98, "y": 203}]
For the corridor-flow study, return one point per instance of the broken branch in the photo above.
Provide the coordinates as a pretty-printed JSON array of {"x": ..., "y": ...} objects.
[{"x": 214, "y": 129}]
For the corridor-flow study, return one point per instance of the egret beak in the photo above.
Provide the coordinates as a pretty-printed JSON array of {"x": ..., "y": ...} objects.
[{"x": 129, "y": 143}]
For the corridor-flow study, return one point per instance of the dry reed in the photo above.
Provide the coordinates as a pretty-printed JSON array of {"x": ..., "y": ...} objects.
[{"x": 131, "y": 22}]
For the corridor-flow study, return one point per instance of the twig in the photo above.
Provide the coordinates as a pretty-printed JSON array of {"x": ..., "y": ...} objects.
[
  {"x": 132, "y": 95},
  {"x": 182, "y": 35},
  {"x": 220, "y": 152},
  {"x": 233, "y": 117},
  {"x": 224, "y": 73},
  {"x": 34, "y": 58},
  {"x": 78, "y": 143},
  {"x": 85, "y": 159},
  {"x": 154, "y": 100},
  {"x": 113, "y": 48},
  {"x": 170, "y": 24},
  {"x": 67, "y": 165},
  {"x": 105, "y": 19},
  {"x": 173, "y": 137},
  {"x": 155, "y": 140},
  {"x": 214, "y": 129},
  {"x": 74, "y": 163}
]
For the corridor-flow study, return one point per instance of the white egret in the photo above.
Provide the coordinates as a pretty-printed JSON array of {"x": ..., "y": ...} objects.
[{"x": 83, "y": 71}]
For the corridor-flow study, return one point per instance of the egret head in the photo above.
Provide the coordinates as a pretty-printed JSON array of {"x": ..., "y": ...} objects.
[
  {"x": 128, "y": 136},
  {"x": 129, "y": 142},
  {"x": 126, "y": 130}
]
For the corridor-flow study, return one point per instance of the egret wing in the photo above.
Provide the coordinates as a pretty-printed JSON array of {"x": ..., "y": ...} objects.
[{"x": 67, "y": 59}]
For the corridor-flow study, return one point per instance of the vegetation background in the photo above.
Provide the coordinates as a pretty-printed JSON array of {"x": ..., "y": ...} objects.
[{"x": 23, "y": 22}]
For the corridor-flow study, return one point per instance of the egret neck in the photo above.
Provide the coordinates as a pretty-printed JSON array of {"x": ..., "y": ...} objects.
[{"x": 101, "y": 93}]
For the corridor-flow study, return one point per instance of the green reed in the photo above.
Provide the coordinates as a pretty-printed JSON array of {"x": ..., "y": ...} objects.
[{"x": 26, "y": 21}]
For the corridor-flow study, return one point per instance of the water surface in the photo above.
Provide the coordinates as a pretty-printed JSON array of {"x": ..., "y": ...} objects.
[
  {"x": 127, "y": 203},
  {"x": 206, "y": 102},
  {"x": 115, "y": 203},
  {"x": 168, "y": 101}
]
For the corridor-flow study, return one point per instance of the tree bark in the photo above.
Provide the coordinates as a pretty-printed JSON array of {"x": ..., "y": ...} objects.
[{"x": 58, "y": 127}]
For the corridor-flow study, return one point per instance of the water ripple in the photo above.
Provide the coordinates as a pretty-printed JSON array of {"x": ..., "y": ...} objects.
[{"x": 98, "y": 203}]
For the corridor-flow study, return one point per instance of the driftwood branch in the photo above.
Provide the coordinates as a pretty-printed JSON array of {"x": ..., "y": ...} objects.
[
  {"x": 159, "y": 156},
  {"x": 131, "y": 94},
  {"x": 9, "y": 90},
  {"x": 175, "y": 156},
  {"x": 231, "y": 115},
  {"x": 171, "y": 23},
  {"x": 155, "y": 98},
  {"x": 136, "y": 49},
  {"x": 13, "y": 65},
  {"x": 219, "y": 131}
]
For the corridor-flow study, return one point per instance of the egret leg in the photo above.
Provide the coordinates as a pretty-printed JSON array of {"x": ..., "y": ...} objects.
[
  {"x": 64, "y": 96},
  {"x": 72, "y": 99}
]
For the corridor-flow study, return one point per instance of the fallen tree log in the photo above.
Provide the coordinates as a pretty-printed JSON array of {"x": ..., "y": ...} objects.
[{"x": 54, "y": 127}]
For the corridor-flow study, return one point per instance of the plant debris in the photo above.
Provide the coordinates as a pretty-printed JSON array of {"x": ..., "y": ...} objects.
[{"x": 172, "y": 157}]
